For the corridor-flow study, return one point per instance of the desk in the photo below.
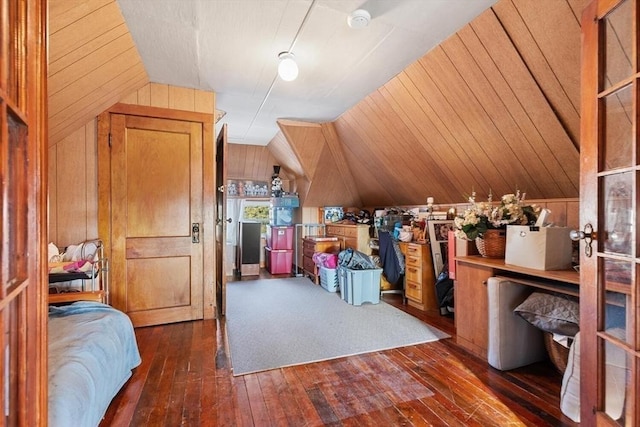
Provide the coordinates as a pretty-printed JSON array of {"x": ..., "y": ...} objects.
[{"x": 471, "y": 301}]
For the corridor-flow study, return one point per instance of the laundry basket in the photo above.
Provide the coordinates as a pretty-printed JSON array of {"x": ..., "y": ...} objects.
[{"x": 329, "y": 278}]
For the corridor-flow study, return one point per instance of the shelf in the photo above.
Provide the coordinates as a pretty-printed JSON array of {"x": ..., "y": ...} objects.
[{"x": 64, "y": 297}]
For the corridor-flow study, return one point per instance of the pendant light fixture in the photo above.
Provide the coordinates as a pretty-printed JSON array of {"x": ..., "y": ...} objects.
[{"x": 287, "y": 69}]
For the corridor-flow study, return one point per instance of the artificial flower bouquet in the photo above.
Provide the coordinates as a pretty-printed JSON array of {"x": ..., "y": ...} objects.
[{"x": 485, "y": 215}]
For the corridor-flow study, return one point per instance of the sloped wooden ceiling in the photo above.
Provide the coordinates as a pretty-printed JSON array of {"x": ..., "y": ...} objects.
[
  {"x": 93, "y": 63},
  {"x": 320, "y": 154},
  {"x": 493, "y": 108}
]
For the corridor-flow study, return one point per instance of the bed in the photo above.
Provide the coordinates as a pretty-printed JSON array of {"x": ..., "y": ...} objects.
[{"x": 92, "y": 351}]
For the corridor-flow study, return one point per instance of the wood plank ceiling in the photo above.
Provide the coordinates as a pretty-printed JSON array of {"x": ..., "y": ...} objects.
[
  {"x": 493, "y": 108},
  {"x": 93, "y": 63}
]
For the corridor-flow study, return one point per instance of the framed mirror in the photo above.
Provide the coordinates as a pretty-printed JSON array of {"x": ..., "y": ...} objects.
[{"x": 439, "y": 239}]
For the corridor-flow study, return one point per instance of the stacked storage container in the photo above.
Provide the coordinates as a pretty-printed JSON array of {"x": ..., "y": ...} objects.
[{"x": 279, "y": 248}]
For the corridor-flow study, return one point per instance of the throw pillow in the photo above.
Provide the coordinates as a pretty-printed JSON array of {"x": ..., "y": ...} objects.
[{"x": 551, "y": 313}]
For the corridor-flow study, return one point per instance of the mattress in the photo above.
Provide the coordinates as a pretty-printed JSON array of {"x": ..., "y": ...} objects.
[{"x": 92, "y": 350}]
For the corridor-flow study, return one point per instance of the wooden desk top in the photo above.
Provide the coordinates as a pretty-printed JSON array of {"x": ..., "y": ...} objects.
[{"x": 566, "y": 276}]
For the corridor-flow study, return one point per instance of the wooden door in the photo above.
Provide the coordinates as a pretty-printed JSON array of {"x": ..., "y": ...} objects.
[
  {"x": 23, "y": 265},
  {"x": 156, "y": 218},
  {"x": 221, "y": 220},
  {"x": 609, "y": 198}
]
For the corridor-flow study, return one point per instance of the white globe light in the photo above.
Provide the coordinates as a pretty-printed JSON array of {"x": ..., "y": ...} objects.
[{"x": 287, "y": 69}]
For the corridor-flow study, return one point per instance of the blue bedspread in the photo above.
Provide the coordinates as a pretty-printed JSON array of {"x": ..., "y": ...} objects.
[{"x": 92, "y": 350}]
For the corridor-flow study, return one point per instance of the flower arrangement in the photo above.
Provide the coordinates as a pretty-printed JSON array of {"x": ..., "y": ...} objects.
[{"x": 482, "y": 216}]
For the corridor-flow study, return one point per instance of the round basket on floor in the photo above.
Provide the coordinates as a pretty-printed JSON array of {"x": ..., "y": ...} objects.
[{"x": 558, "y": 353}]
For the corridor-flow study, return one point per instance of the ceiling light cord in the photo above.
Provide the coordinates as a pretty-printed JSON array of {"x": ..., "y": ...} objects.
[
  {"x": 273, "y": 82},
  {"x": 302, "y": 25}
]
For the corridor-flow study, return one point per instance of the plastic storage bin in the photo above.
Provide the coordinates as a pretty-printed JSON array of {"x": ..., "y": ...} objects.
[
  {"x": 358, "y": 286},
  {"x": 329, "y": 278},
  {"x": 280, "y": 216},
  {"x": 280, "y": 237},
  {"x": 278, "y": 261},
  {"x": 287, "y": 201}
]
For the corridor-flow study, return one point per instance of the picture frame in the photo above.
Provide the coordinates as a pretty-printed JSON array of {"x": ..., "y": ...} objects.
[{"x": 439, "y": 240}]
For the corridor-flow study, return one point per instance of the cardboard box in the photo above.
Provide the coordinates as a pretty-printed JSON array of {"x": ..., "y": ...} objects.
[{"x": 539, "y": 248}]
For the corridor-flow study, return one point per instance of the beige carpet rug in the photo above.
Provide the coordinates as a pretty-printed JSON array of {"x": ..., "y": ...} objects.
[{"x": 284, "y": 322}]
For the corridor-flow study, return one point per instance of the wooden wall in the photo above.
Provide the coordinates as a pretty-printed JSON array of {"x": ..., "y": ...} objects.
[
  {"x": 93, "y": 62},
  {"x": 73, "y": 178},
  {"x": 493, "y": 108}
]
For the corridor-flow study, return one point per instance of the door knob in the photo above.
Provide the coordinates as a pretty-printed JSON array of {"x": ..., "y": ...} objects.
[
  {"x": 195, "y": 232},
  {"x": 588, "y": 235},
  {"x": 229, "y": 220}
]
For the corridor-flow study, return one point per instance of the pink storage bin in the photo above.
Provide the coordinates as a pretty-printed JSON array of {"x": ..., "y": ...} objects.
[
  {"x": 280, "y": 237},
  {"x": 278, "y": 261}
]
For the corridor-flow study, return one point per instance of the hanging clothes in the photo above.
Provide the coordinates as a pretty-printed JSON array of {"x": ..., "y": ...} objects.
[{"x": 391, "y": 258}]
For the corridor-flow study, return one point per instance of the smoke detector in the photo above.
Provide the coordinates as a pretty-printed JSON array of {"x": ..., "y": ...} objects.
[{"x": 358, "y": 18}]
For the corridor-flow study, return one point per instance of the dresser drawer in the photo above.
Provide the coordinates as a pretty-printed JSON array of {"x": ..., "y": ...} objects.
[
  {"x": 413, "y": 291},
  {"x": 413, "y": 260},
  {"x": 414, "y": 250},
  {"x": 308, "y": 250},
  {"x": 334, "y": 231},
  {"x": 413, "y": 274},
  {"x": 350, "y": 232},
  {"x": 308, "y": 264}
]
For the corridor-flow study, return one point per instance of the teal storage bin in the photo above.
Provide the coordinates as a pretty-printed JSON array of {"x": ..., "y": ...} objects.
[{"x": 359, "y": 286}]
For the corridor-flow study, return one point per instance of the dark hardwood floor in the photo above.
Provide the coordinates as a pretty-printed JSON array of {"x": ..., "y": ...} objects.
[{"x": 186, "y": 379}]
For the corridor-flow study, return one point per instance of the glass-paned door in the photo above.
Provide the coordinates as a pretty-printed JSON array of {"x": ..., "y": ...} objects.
[
  {"x": 23, "y": 191},
  {"x": 609, "y": 196}
]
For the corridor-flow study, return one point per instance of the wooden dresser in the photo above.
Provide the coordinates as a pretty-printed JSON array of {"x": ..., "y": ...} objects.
[
  {"x": 354, "y": 236},
  {"x": 311, "y": 245},
  {"x": 472, "y": 302},
  {"x": 419, "y": 288}
]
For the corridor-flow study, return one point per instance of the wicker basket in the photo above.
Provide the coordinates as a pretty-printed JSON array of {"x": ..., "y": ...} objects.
[
  {"x": 558, "y": 353},
  {"x": 492, "y": 244}
]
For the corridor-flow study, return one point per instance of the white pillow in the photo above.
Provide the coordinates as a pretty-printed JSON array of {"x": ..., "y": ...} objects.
[{"x": 615, "y": 380}]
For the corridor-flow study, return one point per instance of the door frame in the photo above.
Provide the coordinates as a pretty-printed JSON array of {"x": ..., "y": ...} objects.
[
  {"x": 208, "y": 176},
  {"x": 221, "y": 221}
]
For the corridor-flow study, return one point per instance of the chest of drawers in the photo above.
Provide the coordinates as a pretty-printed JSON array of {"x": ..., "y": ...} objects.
[
  {"x": 355, "y": 236},
  {"x": 420, "y": 290},
  {"x": 311, "y": 245}
]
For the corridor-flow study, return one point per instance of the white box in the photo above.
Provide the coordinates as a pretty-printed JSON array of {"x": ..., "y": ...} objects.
[{"x": 539, "y": 248}]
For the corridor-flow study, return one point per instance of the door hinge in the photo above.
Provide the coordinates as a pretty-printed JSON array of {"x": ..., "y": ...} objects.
[{"x": 109, "y": 139}]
